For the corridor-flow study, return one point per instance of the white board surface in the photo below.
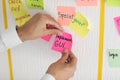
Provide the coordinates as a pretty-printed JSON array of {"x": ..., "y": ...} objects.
[{"x": 31, "y": 59}]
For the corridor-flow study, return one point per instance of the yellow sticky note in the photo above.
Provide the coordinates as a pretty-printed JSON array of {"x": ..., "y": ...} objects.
[
  {"x": 22, "y": 19},
  {"x": 15, "y": 6},
  {"x": 80, "y": 25},
  {"x": 19, "y": 12}
]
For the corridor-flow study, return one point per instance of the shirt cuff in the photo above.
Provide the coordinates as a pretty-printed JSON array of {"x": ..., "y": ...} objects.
[
  {"x": 47, "y": 77},
  {"x": 10, "y": 38}
]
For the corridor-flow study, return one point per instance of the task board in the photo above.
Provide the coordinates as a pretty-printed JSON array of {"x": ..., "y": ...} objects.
[{"x": 30, "y": 60}]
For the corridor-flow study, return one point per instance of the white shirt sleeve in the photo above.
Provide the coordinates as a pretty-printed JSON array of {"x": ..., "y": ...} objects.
[
  {"x": 47, "y": 77},
  {"x": 9, "y": 39}
]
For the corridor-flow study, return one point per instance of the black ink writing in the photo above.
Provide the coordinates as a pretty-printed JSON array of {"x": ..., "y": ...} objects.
[
  {"x": 23, "y": 17},
  {"x": 37, "y": 6},
  {"x": 59, "y": 44},
  {"x": 62, "y": 15},
  {"x": 63, "y": 38},
  {"x": 113, "y": 55},
  {"x": 78, "y": 22}
]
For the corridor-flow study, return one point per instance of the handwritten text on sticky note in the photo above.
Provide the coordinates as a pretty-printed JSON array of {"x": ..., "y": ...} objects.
[
  {"x": 113, "y": 2},
  {"x": 114, "y": 57},
  {"x": 22, "y": 18},
  {"x": 65, "y": 14},
  {"x": 19, "y": 12},
  {"x": 87, "y": 2},
  {"x": 80, "y": 25},
  {"x": 38, "y": 4},
  {"x": 15, "y": 6},
  {"x": 117, "y": 23},
  {"x": 62, "y": 42}
]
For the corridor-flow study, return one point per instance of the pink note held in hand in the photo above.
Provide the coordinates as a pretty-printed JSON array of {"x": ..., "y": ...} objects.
[
  {"x": 117, "y": 23},
  {"x": 62, "y": 42},
  {"x": 48, "y": 37}
]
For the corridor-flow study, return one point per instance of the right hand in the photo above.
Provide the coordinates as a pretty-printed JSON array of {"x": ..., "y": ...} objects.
[
  {"x": 65, "y": 67},
  {"x": 36, "y": 27}
]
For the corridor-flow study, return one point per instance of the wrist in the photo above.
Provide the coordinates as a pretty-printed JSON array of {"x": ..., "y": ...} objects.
[
  {"x": 48, "y": 77},
  {"x": 20, "y": 33},
  {"x": 52, "y": 74}
]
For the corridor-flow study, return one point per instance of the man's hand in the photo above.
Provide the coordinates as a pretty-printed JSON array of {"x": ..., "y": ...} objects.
[
  {"x": 65, "y": 67},
  {"x": 37, "y": 27}
]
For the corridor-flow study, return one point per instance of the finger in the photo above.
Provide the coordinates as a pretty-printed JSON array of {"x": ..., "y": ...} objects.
[
  {"x": 73, "y": 59},
  {"x": 50, "y": 27},
  {"x": 53, "y": 32},
  {"x": 64, "y": 56},
  {"x": 52, "y": 21},
  {"x": 68, "y": 60},
  {"x": 56, "y": 25}
]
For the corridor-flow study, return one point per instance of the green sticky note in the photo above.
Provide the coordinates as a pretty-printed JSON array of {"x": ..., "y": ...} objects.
[
  {"x": 114, "y": 57},
  {"x": 113, "y": 3},
  {"x": 38, "y": 4}
]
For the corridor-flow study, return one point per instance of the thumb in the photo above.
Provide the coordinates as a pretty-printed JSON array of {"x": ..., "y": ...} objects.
[
  {"x": 53, "y": 31},
  {"x": 64, "y": 56}
]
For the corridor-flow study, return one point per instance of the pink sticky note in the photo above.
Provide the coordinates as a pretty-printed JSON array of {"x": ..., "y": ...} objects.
[
  {"x": 117, "y": 23},
  {"x": 48, "y": 37},
  {"x": 65, "y": 15},
  {"x": 62, "y": 42},
  {"x": 87, "y": 2}
]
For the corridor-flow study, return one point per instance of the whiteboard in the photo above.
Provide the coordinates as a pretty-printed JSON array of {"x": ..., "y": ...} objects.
[{"x": 31, "y": 59}]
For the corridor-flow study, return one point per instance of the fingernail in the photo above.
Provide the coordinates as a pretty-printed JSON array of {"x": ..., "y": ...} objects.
[
  {"x": 60, "y": 33},
  {"x": 66, "y": 51}
]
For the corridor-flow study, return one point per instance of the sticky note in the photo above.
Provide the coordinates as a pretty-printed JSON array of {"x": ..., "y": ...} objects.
[
  {"x": 22, "y": 18},
  {"x": 62, "y": 42},
  {"x": 15, "y": 6},
  {"x": 117, "y": 23},
  {"x": 114, "y": 57},
  {"x": 80, "y": 25},
  {"x": 38, "y": 4},
  {"x": 87, "y": 2},
  {"x": 47, "y": 38},
  {"x": 65, "y": 15},
  {"x": 113, "y": 2},
  {"x": 19, "y": 12}
]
